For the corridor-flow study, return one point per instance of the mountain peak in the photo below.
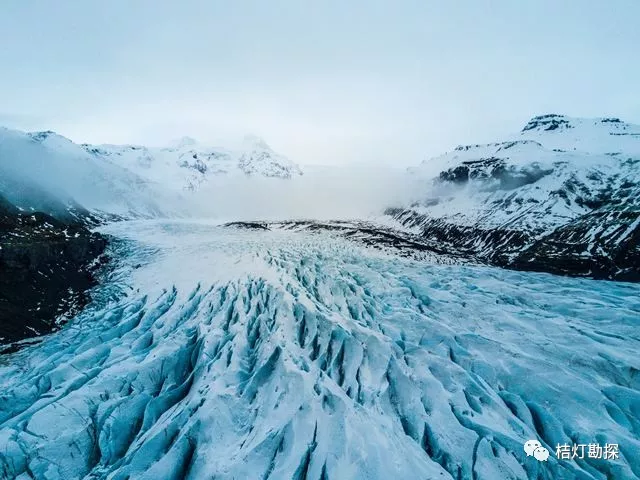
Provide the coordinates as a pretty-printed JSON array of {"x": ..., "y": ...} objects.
[
  {"x": 48, "y": 135},
  {"x": 554, "y": 121},
  {"x": 548, "y": 122}
]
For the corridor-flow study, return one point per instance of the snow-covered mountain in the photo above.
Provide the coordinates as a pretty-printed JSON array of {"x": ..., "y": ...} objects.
[
  {"x": 44, "y": 171},
  {"x": 187, "y": 164},
  {"x": 562, "y": 195}
]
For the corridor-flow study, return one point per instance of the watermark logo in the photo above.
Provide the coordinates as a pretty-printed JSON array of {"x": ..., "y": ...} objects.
[
  {"x": 534, "y": 448},
  {"x": 564, "y": 451},
  {"x": 608, "y": 451}
]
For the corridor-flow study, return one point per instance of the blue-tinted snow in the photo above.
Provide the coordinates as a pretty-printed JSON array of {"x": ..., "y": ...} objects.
[{"x": 256, "y": 354}]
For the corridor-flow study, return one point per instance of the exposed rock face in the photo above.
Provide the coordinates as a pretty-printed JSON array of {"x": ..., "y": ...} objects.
[
  {"x": 602, "y": 244},
  {"x": 574, "y": 249},
  {"x": 549, "y": 122},
  {"x": 561, "y": 197},
  {"x": 45, "y": 270}
]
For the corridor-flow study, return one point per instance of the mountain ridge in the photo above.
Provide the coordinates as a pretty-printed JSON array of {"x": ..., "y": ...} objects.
[
  {"x": 194, "y": 164},
  {"x": 560, "y": 196},
  {"x": 45, "y": 171}
]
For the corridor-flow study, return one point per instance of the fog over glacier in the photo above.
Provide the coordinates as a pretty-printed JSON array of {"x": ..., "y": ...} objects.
[{"x": 321, "y": 193}]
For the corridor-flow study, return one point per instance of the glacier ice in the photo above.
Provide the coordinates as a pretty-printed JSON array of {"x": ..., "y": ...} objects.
[{"x": 212, "y": 352}]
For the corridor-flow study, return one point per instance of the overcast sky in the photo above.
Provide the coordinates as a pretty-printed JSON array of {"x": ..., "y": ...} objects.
[{"x": 325, "y": 82}]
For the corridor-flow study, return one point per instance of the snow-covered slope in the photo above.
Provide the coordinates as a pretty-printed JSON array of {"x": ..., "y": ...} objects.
[
  {"x": 49, "y": 173},
  {"x": 564, "y": 191},
  {"x": 256, "y": 354},
  {"x": 187, "y": 164},
  {"x": 44, "y": 171}
]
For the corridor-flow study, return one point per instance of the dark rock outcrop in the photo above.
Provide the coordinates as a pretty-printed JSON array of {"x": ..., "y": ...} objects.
[
  {"x": 602, "y": 245},
  {"x": 46, "y": 268},
  {"x": 496, "y": 169},
  {"x": 547, "y": 122}
]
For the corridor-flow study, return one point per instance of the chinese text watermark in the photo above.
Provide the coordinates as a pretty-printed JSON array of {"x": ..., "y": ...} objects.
[{"x": 565, "y": 451}]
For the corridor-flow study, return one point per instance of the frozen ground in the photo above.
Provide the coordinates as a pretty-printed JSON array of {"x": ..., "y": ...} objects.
[{"x": 247, "y": 354}]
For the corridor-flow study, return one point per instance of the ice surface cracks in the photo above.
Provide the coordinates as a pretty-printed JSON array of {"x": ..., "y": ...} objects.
[{"x": 338, "y": 364}]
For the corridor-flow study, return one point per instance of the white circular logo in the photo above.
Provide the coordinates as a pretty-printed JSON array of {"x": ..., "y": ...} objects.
[{"x": 534, "y": 448}]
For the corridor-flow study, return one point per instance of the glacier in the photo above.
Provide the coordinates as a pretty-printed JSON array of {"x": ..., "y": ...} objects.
[{"x": 217, "y": 352}]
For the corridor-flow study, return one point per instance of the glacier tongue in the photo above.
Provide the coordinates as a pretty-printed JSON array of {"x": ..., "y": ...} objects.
[{"x": 298, "y": 355}]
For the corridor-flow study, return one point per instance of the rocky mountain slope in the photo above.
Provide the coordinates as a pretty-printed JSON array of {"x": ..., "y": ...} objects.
[
  {"x": 51, "y": 192},
  {"x": 562, "y": 196},
  {"x": 45, "y": 271}
]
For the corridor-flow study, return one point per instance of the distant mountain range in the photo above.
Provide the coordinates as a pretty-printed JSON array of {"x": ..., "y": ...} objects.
[
  {"x": 46, "y": 172},
  {"x": 187, "y": 164},
  {"x": 563, "y": 196}
]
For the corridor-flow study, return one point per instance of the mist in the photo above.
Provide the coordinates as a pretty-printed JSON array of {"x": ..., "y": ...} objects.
[{"x": 321, "y": 193}]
